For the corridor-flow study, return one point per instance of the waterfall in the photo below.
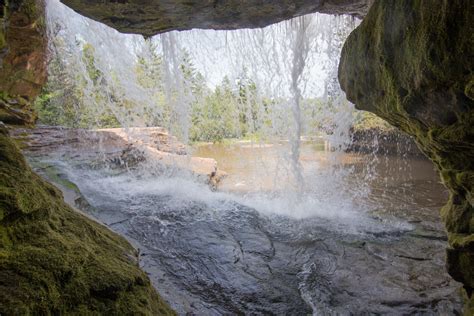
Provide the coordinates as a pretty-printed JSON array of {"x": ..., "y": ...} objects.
[
  {"x": 300, "y": 54},
  {"x": 273, "y": 85},
  {"x": 304, "y": 227}
]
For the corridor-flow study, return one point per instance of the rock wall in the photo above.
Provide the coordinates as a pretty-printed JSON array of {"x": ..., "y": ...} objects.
[
  {"x": 22, "y": 59},
  {"x": 158, "y": 16},
  {"x": 411, "y": 63}
]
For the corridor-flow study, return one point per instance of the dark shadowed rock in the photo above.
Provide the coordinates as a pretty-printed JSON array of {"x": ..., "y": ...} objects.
[{"x": 158, "y": 16}]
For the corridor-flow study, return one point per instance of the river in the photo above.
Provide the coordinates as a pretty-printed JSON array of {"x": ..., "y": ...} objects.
[{"x": 362, "y": 237}]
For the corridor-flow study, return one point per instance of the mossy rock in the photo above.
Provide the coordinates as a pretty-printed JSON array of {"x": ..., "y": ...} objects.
[
  {"x": 157, "y": 16},
  {"x": 411, "y": 63},
  {"x": 22, "y": 59},
  {"x": 54, "y": 260}
]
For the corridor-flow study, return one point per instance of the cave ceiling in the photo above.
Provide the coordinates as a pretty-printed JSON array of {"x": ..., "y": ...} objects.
[{"x": 150, "y": 17}]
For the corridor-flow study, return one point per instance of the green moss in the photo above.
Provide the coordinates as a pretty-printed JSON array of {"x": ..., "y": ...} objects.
[
  {"x": 3, "y": 41},
  {"x": 53, "y": 175},
  {"x": 3, "y": 17},
  {"x": 469, "y": 89},
  {"x": 54, "y": 260},
  {"x": 410, "y": 62},
  {"x": 469, "y": 303}
]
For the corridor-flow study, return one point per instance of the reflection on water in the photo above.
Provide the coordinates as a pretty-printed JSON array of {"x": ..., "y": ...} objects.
[
  {"x": 397, "y": 183},
  {"x": 261, "y": 167}
]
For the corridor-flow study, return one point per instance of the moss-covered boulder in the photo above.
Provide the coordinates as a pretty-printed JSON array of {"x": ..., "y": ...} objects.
[
  {"x": 54, "y": 260},
  {"x": 411, "y": 63}
]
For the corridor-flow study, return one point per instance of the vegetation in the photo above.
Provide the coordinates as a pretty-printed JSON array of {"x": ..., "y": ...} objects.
[
  {"x": 54, "y": 260},
  {"x": 184, "y": 104},
  {"x": 63, "y": 102}
]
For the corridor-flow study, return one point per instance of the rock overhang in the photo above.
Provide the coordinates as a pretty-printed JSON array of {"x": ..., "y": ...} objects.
[{"x": 150, "y": 17}]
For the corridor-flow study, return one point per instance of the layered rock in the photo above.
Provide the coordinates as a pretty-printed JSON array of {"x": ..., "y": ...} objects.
[
  {"x": 387, "y": 142},
  {"x": 411, "y": 63},
  {"x": 22, "y": 59},
  {"x": 158, "y": 16},
  {"x": 121, "y": 148}
]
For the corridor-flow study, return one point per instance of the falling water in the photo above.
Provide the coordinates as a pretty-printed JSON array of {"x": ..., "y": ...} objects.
[
  {"x": 307, "y": 243},
  {"x": 300, "y": 54},
  {"x": 159, "y": 81}
]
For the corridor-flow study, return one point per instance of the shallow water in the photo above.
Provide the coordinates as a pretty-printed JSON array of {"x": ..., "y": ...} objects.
[{"x": 363, "y": 238}]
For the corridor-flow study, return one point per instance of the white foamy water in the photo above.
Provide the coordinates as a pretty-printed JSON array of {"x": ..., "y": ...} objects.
[
  {"x": 293, "y": 231},
  {"x": 286, "y": 68}
]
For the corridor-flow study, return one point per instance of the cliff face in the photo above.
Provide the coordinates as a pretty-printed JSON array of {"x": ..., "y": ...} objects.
[
  {"x": 22, "y": 59},
  {"x": 158, "y": 16},
  {"x": 411, "y": 63}
]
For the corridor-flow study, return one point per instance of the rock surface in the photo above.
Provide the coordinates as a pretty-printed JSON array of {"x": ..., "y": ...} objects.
[
  {"x": 159, "y": 146},
  {"x": 158, "y": 16},
  {"x": 411, "y": 63},
  {"x": 208, "y": 254},
  {"x": 54, "y": 260},
  {"x": 152, "y": 147},
  {"x": 383, "y": 142},
  {"x": 22, "y": 59}
]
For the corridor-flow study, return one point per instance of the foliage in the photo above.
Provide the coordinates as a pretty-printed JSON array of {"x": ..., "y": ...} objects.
[
  {"x": 55, "y": 261},
  {"x": 366, "y": 120},
  {"x": 179, "y": 99},
  {"x": 63, "y": 102}
]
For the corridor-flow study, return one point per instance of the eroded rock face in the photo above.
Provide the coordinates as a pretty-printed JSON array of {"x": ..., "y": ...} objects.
[
  {"x": 22, "y": 59},
  {"x": 158, "y": 16},
  {"x": 411, "y": 63}
]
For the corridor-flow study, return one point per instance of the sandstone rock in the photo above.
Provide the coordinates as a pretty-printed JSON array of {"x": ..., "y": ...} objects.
[
  {"x": 22, "y": 58},
  {"x": 389, "y": 142},
  {"x": 158, "y": 145},
  {"x": 121, "y": 148},
  {"x": 155, "y": 137}
]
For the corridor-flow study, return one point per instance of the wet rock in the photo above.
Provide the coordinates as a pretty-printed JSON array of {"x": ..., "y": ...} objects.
[
  {"x": 155, "y": 137},
  {"x": 158, "y": 145},
  {"x": 22, "y": 59},
  {"x": 411, "y": 63},
  {"x": 153, "y": 17},
  {"x": 16, "y": 111},
  {"x": 210, "y": 255},
  {"x": 57, "y": 261},
  {"x": 121, "y": 149},
  {"x": 383, "y": 142}
]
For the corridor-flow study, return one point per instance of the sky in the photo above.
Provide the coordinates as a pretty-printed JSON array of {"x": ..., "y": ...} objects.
[{"x": 268, "y": 55}]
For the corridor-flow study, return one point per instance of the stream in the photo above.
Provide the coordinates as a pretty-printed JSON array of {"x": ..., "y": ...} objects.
[{"x": 364, "y": 238}]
